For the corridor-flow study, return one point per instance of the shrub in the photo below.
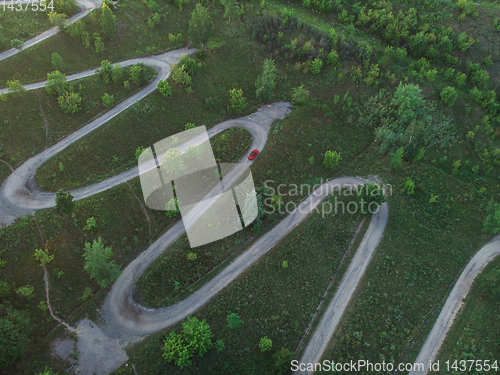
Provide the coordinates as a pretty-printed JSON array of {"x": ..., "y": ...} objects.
[
  {"x": 219, "y": 346},
  {"x": 58, "y": 19},
  {"x": 25, "y": 291},
  {"x": 265, "y": 82},
  {"x": 299, "y": 95},
  {"x": 189, "y": 64},
  {"x": 17, "y": 44},
  {"x": 105, "y": 71},
  {"x": 265, "y": 344},
  {"x": 64, "y": 202},
  {"x": 15, "y": 87},
  {"x": 57, "y": 61},
  {"x": 56, "y": 83},
  {"x": 117, "y": 73},
  {"x": 492, "y": 223},
  {"x": 164, "y": 88},
  {"x": 189, "y": 125},
  {"x": 282, "y": 360},
  {"x": 98, "y": 263},
  {"x": 332, "y": 159},
  {"x": 138, "y": 73},
  {"x": 238, "y": 101},
  {"x": 409, "y": 186},
  {"x": 98, "y": 43},
  {"x": 108, "y": 21},
  {"x": 108, "y": 100},
  {"x": 315, "y": 66},
  {"x": 69, "y": 102},
  {"x": 233, "y": 320},
  {"x": 397, "y": 158},
  {"x": 333, "y": 58},
  {"x": 449, "y": 95},
  {"x": 180, "y": 75},
  {"x": 209, "y": 103}
]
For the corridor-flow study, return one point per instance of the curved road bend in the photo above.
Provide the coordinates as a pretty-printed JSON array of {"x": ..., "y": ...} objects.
[
  {"x": 133, "y": 319},
  {"x": 17, "y": 195},
  {"x": 330, "y": 319},
  {"x": 86, "y": 5},
  {"x": 454, "y": 303}
]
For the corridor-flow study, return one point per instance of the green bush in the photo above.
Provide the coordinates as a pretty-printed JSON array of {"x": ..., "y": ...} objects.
[
  {"x": 315, "y": 66},
  {"x": 238, "y": 101},
  {"x": 449, "y": 95},
  {"x": 299, "y": 95},
  {"x": 69, "y": 102},
  {"x": 265, "y": 344},
  {"x": 332, "y": 159},
  {"x": 108, "y": 100},
  {"x": 164, "y": 88}
]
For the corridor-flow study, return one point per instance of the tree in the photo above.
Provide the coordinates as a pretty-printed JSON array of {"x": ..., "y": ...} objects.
[
  {"x": 43, "y": 256},
  {"x": 56, "y": 83},
  {"x": 64, "y": 202},
  {"x": 137, "y": 73},
  {"x": 15, "y": 87},
  {"x": 117, "y": 73},
  {"x": 333, "y": 58},
  {"x": 233, "y": 320},
  {"x": 172, "y": 161},
  {"x": 58, "y": 19},
  {"x": 108, "y": 21},
  {"x": 98, "y": 43},
  {"x": 180, "y": 75},
  {"x": 299, "y": 95},
  {"x": 189, "y": 64},
  {"x": 196, "y": 338},
  {"x": 282, "y": 359},
  {"x": 492, "y": 223},
  {"x": 331, "y": 159},
  {"x": 98, "y": 263},
  {"x": 17, "y": 44},
  {"x": 219, "y": 346},
  {"x": 238, "y": 101},
  {"x": 69, "y": 102},
  {"x": 164, "y": 88},
  {"x": 265, "y": 344},
  {"x": 449, "y": 95},
  {"x": 404, "y": 119},
  {"x": 105, "y": 71},
  {"x": 230, "y": 9},
  {"x": 200, "y": 26},
  {"x": 315, "y": 66},
  {"x": 48, "y": 371},
  {"x": 57, "y": 61},
  {"x": 265, "y": 82},
  {"x": 397, "y": 158},
  {"x": 13, "y": 338},
  {"x": 108, "y": 100},
  {"x": 409, "y": 186},
  {"x": 371, "y": 193}
]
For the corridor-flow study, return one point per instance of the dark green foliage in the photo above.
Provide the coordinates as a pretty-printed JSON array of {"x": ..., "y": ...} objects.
[
  {"x": 13, "y": 337},
  {"x": 108, "y": 21},
  {"x": 196, "y": 338},
  {"x": 492, "y": 222},
  {"x": 57, "y": 61},
  {"x": 265, "y": 82},
  {"x": 56, "y": 83},
  {"x": 200, "y": 26},
  {"x": 404, "y": 119},
  {"x": 98, "y": 263},
  {"x": 371, "y": 193},
  {"x": 233, "y": 320},
  {"x": 64, "y": 201},
  {"x": 282, "y": 361},
  {"x": 189, "y": 64}
]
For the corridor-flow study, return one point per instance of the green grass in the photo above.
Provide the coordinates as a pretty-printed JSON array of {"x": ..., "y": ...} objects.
[
  {"x": 474, "y": 334},
  {"x": 23, "y": 128},
  {"x": 271, "y": 300}
]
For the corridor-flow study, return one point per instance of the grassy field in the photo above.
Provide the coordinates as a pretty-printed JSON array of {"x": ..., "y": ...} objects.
[
  {"x": 474, "y": 333},
  {"x": 33, "y": 120}
]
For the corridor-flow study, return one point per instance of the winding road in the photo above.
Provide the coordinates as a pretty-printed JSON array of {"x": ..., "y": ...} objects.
[
  {"x": 454, "y": 303},
  {"x": 126, "y": 320}
]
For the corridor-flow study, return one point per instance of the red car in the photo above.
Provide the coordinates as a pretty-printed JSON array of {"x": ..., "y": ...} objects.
[{"x": 253, "y": 154}]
